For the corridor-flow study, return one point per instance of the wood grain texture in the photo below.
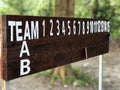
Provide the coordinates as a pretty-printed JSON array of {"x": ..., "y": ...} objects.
[
  {"x": 0, "y": 42},
  {"x": 3, "y": 61},
  {"x": 48, "y": 52}
]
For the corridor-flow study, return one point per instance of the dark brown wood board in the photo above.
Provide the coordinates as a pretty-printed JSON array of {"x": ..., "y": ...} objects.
[{"x": 34, "y": 44}]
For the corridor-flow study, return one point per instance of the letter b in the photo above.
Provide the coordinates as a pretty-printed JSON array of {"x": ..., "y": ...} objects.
[{"x": 24, "y": 67}]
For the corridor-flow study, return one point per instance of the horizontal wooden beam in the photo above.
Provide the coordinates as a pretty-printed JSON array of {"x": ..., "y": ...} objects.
[{"x": 31, "y": 44}]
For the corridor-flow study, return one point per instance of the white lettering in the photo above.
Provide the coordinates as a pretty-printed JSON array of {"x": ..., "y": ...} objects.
[
  {"x": 24, "y": 67},
  {"x": 108, "y": 26},
  {"x": 69, "y": 28},
  {"x": 27, "y": 31},
  {"x": 74, "y": 27},
  {"x": 43, "y": 24},
  {"x": 34, "y": 30},
  {"x": 51, "y": 29},
  {"x": 79, "y": 27},
  {"x": 63, "y": 27},
  {"x": 99, "y": 26},
  {"x": 105, "y": 28},
  {"x": 18, "y": 31},
  {"x": 102, "y": 26},
  {"x": 87, "y": 27},
  {"x": 24, "y": 49},
  {"x": 11, "y": 24},
  {"x": 83, "y": 27},
  {"x": 58, "y": 27},
  {"x": 91, "y": 26}
]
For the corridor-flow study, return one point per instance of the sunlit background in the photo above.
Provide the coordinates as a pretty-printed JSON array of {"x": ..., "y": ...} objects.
[{"x": 109, "y": 9}]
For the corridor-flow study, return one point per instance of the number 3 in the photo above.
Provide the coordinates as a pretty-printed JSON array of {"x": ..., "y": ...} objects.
[{"x": 58, "y": 27}]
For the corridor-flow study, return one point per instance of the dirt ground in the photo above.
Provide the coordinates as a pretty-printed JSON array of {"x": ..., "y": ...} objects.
[{"x": 111, "y": 73}]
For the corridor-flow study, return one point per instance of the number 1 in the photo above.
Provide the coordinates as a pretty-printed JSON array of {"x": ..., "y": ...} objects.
[{"x": 43, "y": 24}]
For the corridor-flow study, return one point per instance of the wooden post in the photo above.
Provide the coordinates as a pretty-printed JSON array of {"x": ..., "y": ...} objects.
[
  {"x": 100, "y": 73},
  {"x": 5, "y": 85}
]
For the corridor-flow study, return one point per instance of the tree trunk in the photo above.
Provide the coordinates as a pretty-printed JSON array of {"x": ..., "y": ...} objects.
[
  {"x": 63, "y": 8},
  {"x": 95, "y": 9},
  {"x": 50, "y": 8}
]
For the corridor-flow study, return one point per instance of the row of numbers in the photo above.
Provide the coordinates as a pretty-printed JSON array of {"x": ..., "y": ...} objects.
[
  {"x": 62, "y": 29},
  {"x": 76, "y": 27}
]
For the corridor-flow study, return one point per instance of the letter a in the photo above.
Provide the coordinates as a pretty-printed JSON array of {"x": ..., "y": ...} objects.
[
  {"x": 24, "y": 45},
  {"x": 24, "y": 67}
]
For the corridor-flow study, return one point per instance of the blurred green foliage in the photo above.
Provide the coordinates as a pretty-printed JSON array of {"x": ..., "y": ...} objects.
[
  {"x": 78, "y": 79},
  {"x": 83, "y": 78},
  {"x": 27, "y": 7},
  {"x": 108, "y": 9}
]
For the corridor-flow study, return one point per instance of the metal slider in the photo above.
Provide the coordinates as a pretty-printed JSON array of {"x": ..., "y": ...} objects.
[{"x": 86, "y": 55}]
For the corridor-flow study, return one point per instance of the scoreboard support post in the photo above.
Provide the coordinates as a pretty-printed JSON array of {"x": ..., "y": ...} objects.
[
  {"x": 100, "y": 72},
  {"x": 5, "y": 85}
]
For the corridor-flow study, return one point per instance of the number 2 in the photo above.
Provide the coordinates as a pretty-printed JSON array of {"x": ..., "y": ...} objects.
[{"x": 51, "y": 29}]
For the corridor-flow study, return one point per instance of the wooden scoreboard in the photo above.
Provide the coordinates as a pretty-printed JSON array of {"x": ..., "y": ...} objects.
[{"x": 30, "y": 44}]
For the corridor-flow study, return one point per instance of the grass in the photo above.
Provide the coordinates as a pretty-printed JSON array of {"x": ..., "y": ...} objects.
[{"x": 80, "y": 78}]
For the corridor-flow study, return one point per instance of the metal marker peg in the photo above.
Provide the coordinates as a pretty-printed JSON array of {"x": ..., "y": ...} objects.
[{"x": 86, "y": 54}]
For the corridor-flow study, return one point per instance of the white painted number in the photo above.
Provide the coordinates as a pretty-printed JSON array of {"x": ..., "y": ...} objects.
[
  {"x": 74, "y": 27},
  {"x": 88, "y": 27},
  {"x": 83, "y": 28},
  {"x": 51, "y": 29},
  {"x": 63, "y": 27},
  {"x": 69, "y": 28},
  {"x": 79, "y": 27},
  {"x": 43, "y": 24},
  {"x": 108, "y": 26},
  {"x": 58, "y": 27}
]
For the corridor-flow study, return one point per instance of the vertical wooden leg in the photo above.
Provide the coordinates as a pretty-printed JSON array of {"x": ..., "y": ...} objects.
[
  {"x": 62, "y": 73},
  {"x": 100, "y": 72},
  {"x": 5, "y": 85},
  {"x": 56, "y": 71}
]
